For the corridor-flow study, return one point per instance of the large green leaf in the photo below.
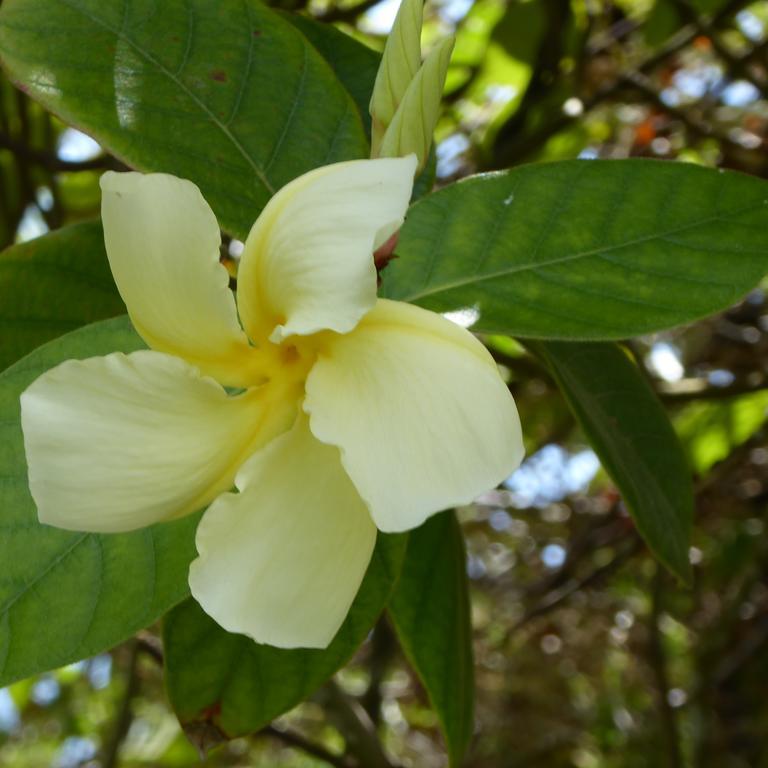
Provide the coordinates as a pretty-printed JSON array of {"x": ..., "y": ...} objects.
[
  {"x": 228, "y": 685},
  {"x": 354, "y": 63},
  {"x": 430, "y": 611},
  {"x": 585, "y": 249},
  {"x": 631, "y": 433},
  {"x": 65, "y": 595},
  {"x": 225, "y": 93},
  {"x": 52, "y": 285}
]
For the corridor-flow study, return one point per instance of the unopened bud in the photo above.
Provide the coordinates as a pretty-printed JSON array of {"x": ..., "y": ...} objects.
[{"x": 399, "y": 65}]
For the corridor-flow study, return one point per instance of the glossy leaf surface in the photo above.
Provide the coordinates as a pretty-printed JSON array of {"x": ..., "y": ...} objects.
[
  {"x": 156, "y": 84},
  {"x": 430, "y": 611},
  {"x": 585, "y": 250}
]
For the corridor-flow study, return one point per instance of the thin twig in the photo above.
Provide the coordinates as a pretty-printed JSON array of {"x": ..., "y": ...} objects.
[
  {"x": 124, "y": 716},
  {"x": 642, "y": 83},
  {"x": 738, "y": 66},
  {"x": 52, "y": 161},
  {"x": 512, "y": 148},
  {"x": 383, "y": 645},
  {"x": 297, "y": 741},
  {"x": 353, "y": 722},
  {"x": 658, "y": 660},
  {"x": 744, "y": 652},
  {"x": 150, "y": 645},
  {"x": 688, "y": 390},
  {"x": 346, "y": 13},
  {"x": 555, "y": 598}
]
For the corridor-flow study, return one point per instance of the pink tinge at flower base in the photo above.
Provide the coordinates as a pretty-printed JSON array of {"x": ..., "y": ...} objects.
[{"x": 354, "y": 413}]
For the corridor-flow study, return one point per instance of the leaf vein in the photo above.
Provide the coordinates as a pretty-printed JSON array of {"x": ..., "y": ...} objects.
[
  {"x": 260, "y": 173},
  {"x": 430, "y": 290}
]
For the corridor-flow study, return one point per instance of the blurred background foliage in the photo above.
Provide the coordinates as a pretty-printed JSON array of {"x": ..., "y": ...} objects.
[{"x": 587, "y": 654}]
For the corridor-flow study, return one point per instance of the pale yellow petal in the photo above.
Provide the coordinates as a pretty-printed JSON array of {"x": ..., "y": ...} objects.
[
  {"x": 282, "y": 560},
  {"x": 308, "y": 261},
  {"x": 163, "y": 242},
  {"x": 119, "y": 442},
  {"x": 418, "y": 408}
]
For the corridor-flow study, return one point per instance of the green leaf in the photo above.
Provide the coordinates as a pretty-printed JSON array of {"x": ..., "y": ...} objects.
[
  {"x": 585, "y": 250},
  {"x": 51, "y": 285},
  {"x": 228, "y": 685},
  {"x": 227, "y": 86},
  {"x": 631, "y": 433},
  {"x": 430, "y": 611},
  {"x": 65, "y": 595},
  {"x": 353, "y": 63}
]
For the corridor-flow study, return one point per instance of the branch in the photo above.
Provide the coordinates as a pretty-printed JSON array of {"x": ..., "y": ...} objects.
[
  {"x": 554, "y": 598},
  {"x": 698, "y": 127},
  {"x": 297, "y": 741},
  {"x": 354, "y": 724},
  {"x": 347, "y": 13},
  {"x": 383, "y": 645},
  {"x": 658, "y": 661},
  {"x": 738, "y": 66},
  {"x": 151, "y": 645},
  {"x": 124, "y": 715},
  {"x": 52, "y": 161},
  {"x": 744, "y": 652},
  {"x": 511, "y": 148},
  {"x": 686, "y": 390}
]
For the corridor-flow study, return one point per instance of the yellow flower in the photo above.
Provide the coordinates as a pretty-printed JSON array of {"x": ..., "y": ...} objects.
[{"x": 332, "y": 412}]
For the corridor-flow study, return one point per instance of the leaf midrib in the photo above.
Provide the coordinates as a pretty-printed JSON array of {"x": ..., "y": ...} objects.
[
  {"x": 182, "y": 87},
  {"x": 473, "y": 279},
  {"x": 59, "y": 558}
]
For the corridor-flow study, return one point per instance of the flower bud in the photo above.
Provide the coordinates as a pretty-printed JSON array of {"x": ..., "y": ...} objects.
[
  {"x": 399, "y": 65},
  {"x": 414, "y": 122},
  {"x": 406, "y": 96}
]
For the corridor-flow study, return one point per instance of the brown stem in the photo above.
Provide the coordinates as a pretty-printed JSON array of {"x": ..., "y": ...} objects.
[
  {"x": 556, "y": 597},
  {"x": 52, "y": 161},
  {"x": 124, "y": 715},
  {"x": 347, "y": 13},
  {"x": 383, "y": 645},
  {"x": 658, "y": 661},
  {"x": 352, "y": 721},
  {"x": 297, "y": 741}
]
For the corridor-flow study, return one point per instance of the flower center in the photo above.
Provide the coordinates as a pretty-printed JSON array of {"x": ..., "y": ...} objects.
[{"x": 282, "y": 366}]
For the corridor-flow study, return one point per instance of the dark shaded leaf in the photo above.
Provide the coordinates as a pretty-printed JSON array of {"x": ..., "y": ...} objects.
[
  {"x": 430, "y": 611},
  {"x": 228, "y": 684},
  {"x": 631, "y": 433},
  {"x": 52, "y": 285}
]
